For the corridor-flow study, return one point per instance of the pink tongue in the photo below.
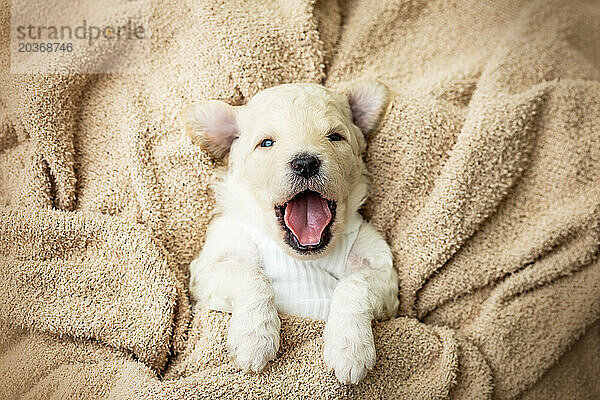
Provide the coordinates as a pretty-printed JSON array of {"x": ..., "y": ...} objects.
[{"x": 306, "y": 216}]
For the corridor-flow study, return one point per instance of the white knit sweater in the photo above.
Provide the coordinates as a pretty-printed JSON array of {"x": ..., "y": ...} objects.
[{"x": 305, "y": 288}]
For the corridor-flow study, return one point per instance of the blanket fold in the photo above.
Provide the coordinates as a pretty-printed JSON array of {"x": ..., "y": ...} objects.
[
  {"x": 485, "y": 181},
  {"x": 133, "y": 307}
]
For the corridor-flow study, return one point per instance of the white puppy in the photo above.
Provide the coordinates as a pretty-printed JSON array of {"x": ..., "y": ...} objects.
[{"x": 287, "y": 235}]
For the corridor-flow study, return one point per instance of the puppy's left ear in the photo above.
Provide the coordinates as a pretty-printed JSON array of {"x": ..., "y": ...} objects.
[
  {"x": 213, "y": 125},
  {"x": 368, "y": 101}
]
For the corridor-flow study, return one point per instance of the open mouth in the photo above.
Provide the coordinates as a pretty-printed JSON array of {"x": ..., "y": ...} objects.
[{"x": 307, "y": 219}]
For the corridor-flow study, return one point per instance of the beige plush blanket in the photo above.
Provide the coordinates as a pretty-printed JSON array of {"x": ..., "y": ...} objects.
[{"x": 486, "y": 183}]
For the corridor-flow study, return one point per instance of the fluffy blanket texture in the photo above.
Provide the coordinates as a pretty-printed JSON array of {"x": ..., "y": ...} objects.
[{"x": 486, "y": 183}]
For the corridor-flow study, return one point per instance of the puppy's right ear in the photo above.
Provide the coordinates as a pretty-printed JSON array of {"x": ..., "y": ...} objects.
[{"x": 212, "y": 124}]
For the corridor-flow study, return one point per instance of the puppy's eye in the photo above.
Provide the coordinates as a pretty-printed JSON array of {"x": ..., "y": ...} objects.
[
  {"x": 335, "y": 137},
  {"x": 267, "y": 143}
]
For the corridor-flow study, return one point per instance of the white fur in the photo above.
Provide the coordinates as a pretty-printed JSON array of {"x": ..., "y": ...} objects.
[
  {"x": 217, "y": 120},
  {"x": 228, "y": 274},
  {"x": 367, "y": 102}
]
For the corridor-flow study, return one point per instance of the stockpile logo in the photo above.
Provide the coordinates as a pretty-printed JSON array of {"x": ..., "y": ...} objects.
[{"x": 86, "y": 36}]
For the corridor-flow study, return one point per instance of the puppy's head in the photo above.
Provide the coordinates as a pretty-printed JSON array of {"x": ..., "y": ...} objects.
[{"x": 294, "y": 158}]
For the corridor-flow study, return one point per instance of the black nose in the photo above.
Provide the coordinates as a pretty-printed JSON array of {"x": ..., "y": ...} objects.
[{"x": 305, "y": 165}]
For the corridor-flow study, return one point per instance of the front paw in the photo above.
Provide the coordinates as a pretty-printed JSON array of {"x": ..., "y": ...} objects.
[
  {"x": 253, "y": 338},
  {"x": 349, "y": 348}
]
